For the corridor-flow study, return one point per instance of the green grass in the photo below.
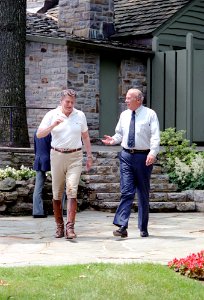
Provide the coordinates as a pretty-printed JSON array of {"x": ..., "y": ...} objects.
[{"x": 98, "y": 281}]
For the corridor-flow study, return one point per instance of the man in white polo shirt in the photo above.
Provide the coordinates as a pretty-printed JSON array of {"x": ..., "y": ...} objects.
[{"x": 68, "y": 127}]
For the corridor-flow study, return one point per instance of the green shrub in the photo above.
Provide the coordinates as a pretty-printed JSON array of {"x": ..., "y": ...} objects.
[
  {"x": 183, "y": 163},
  {"x": 175, "y": 146}
]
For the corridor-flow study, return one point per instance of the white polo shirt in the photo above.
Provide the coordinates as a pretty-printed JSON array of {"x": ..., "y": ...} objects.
[{"x": 68, "y": 133}]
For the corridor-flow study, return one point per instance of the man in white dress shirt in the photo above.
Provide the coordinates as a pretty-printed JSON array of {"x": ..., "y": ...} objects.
[{"x": 136, "y": 161}]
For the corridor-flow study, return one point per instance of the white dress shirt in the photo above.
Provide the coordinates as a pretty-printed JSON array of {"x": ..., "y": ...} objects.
[{"x": 147, "y": 132}]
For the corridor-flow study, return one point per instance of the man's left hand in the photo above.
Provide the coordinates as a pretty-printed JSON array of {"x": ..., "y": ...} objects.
[{"x": 89, "y": 163}]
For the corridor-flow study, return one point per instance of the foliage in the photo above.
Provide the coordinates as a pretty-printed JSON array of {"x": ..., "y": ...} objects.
[
  {"x": 141, "y": 281},
  {"x": 192, "y": 266},
  {"x": 184, "y": 165},
  {"x": 23, "y": 173},
  {"x": 175, "y": 146},
  {"x": 26, "y": 173},
  {"x": 189, "y": 176}
]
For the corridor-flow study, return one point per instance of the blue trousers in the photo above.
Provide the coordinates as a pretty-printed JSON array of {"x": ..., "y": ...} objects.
[
  {"x": 37, "y": 194},
  {"x": 135, "y": 177}
]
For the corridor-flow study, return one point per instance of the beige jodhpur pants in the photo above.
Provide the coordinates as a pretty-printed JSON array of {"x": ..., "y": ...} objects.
[{"x": 65, "y": 168}]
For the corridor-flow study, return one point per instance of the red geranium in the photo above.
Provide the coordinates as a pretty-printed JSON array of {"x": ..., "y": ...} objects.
[{"x": 192, "y": 266}]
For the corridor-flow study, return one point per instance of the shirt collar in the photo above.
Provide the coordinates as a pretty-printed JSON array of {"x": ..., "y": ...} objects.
[
  {"x": 59, "y": 109},
  {"x": 138, "y": 110}
]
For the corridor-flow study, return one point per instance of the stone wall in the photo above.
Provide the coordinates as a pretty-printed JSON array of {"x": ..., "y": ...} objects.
[
  {"x": 83, "y": 76},
  {"x": 132, "y": 74},
  {"x": 49, "y": 69},
  {"x": 45, "y": 77},
  {"x": 16, "y": 197}
]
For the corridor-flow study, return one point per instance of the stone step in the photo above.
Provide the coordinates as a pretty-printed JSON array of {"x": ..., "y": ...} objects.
[
  {"x": 105, "y": 161},
  {"x": 102, "y": 170},
  {"x": 110, "y": 156},
  {"x": 160, "y": 177},
  {"x": 155, "y": 178},
  {"x": 110, "y": 153},
  {"x": 169, "y": 196},
  {"x": 112, "y": 169},
  {"x": 107, "y": 187},
  {"x": 172, "y": 206},
  {"x": 100, "y": 179},
  {"x": 163, "y": 187},
  {"x": 154, "y": 206},
  {"x": 154, "y": 197}
]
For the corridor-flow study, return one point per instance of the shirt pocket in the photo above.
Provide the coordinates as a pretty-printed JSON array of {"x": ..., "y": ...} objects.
[{"x": 142, "y": 128}]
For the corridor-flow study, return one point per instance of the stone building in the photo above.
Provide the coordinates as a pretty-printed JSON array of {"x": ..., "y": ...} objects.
[{"x": 102, "y": 48}]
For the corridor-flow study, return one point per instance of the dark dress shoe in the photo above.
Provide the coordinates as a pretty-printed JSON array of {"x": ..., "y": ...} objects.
[
  {"x": 122, "y": 232},
  {"x": 39, "y": 216},
  {"x": 144, "y": 234}
]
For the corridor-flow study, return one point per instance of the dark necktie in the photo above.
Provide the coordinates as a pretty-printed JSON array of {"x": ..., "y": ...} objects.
[{"x": 131, "y": 135}]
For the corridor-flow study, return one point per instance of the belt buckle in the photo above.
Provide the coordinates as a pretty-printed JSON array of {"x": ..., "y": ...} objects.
[
  {"x": 132, "y": 151},
  {"x": 62, "y": 150}
]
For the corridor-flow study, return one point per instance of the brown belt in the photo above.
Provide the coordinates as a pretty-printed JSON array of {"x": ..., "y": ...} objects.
[
  {"x": 145, "y": 151},
  {"x": 66, "y": 150}
]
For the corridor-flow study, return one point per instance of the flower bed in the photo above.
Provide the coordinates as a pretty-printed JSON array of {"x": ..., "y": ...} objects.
[{"x": 192, "y": 266}]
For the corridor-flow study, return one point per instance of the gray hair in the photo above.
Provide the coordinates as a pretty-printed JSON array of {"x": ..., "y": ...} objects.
[{"x": 138, "y": 94}]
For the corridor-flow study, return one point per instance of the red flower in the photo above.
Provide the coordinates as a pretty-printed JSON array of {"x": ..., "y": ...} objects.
[{"x": 191, "y": 266}]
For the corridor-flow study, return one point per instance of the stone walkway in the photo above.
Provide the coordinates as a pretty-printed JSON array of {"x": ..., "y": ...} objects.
[{"x": 25, "y": 241}]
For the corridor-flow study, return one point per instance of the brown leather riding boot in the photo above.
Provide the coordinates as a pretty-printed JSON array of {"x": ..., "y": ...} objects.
[
  {"x": 57, "y": 208},
  {"x": 71, "y": 214}
]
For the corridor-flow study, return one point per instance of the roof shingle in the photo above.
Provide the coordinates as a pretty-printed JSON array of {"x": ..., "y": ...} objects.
[
  {"x": 132, "y": 18},
  {"x": 138, "y": 17}
]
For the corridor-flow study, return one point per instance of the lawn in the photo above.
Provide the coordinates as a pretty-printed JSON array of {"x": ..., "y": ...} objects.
[{"x": 143, "y": 281}]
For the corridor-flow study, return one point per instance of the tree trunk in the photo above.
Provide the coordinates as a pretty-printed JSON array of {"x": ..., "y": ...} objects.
[{"x": 13, "y": 120}]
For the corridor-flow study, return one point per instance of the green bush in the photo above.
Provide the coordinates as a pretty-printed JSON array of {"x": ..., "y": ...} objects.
[{"x": 183, "y": 163}]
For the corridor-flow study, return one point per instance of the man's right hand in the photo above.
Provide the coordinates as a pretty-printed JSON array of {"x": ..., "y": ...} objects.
[
  {"x": 57, "y": 122},
  {"x": 43, "y": 132},
  {"x": 108, "y": 140}
]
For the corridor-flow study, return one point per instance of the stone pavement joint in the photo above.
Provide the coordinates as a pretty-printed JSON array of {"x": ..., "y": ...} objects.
[{"x": 25, "y": 241}]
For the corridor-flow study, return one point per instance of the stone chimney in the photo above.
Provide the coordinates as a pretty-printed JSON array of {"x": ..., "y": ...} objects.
[{"x": 92, "y": 19}]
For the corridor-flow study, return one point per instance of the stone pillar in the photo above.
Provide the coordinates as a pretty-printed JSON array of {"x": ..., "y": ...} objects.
[{"x": 92, "y": 19}]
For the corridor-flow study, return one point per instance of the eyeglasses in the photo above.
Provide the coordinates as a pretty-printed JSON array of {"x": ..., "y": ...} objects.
[{"x": 68, "y": 92}]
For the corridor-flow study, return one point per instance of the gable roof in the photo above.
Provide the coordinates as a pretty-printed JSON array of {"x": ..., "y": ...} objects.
[
  {"x": 43, "y": 28},
  {"x": 133, "y": 18},
  {"x": 137, "y": 17}
]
